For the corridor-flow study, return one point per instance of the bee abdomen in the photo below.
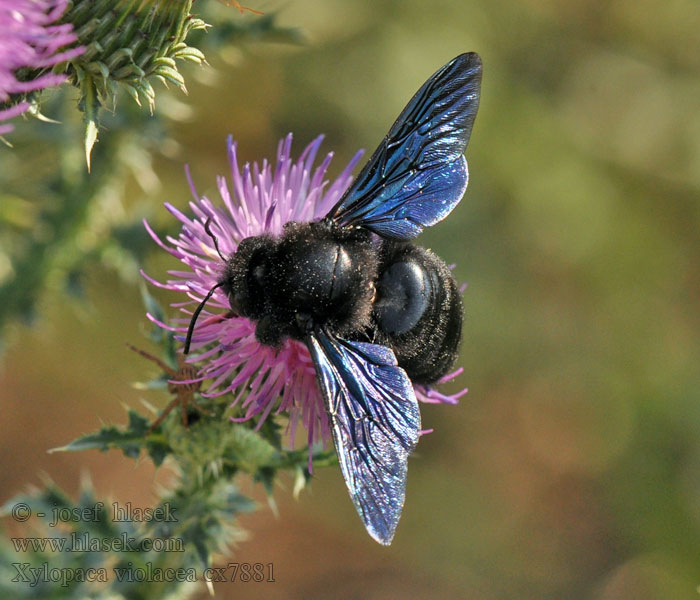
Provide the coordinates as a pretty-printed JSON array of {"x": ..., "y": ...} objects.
[
  {"x": 404, "y": 292},
  {"x": 418, "y": 311}
]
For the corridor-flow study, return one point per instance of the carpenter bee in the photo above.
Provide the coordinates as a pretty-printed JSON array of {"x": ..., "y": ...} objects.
[{"x": 376, "y": 312}]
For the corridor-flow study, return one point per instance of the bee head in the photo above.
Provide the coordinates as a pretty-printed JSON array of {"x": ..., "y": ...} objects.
[{"x": 245, "y": 276}]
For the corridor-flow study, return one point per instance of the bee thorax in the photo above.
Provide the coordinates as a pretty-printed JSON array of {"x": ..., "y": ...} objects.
[{"x": 313, "y": 276}]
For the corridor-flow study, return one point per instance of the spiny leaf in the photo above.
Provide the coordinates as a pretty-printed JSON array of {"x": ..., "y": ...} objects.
[
  {"x": 129, "y": 440},
  {"x": 91, "y": 108}
]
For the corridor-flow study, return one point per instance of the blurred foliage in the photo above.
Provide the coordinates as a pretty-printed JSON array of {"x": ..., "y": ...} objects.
[
  {"x": 197, "y": 519},
  {"x": 572, "y": 468}
]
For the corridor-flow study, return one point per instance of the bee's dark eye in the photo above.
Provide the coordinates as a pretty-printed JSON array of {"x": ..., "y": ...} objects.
[
  {"x": 403, "y": 295},
  {"x": 248, "y": 273}
]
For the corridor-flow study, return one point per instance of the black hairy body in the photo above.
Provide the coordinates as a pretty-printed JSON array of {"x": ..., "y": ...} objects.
[
  {"x": 352, "y": 284},
  {"x": 424, "y": 324}
]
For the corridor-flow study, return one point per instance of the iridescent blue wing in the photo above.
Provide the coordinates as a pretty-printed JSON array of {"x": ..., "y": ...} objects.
[
  {"x": 418, "y": 173},
  {"x": 375, "y": 422}
]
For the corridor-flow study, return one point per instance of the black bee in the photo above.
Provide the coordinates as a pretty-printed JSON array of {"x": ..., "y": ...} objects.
[
  {"x": 322, "y": 275},
  {"x": 377, "y": 312}
]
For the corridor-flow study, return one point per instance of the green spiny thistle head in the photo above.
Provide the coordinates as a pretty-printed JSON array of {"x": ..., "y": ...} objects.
[{"x": 127, "y": 44}]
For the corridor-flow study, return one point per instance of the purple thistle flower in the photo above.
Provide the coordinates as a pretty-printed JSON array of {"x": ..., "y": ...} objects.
[
  {"x": 30, "y": 40},
  {"x": 261, "y": 201}
]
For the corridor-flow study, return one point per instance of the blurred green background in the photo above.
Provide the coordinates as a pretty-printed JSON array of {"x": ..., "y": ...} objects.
[{"x": 572, "y": 467}]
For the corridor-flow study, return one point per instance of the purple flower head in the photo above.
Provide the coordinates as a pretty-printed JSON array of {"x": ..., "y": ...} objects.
[
  {"x": 29, "y": 39},
  {"x": 260, "y": 201}
]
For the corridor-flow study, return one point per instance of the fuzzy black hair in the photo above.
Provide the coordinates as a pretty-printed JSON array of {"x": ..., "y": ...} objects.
[
  {"x": 429, "y": 348},
  {"x": 314, "y": 275}
]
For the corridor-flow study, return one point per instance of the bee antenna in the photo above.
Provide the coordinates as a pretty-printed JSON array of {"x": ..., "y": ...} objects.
[
  {"x": 195, "y": 315},
  {"x": 207, "y": 228}
]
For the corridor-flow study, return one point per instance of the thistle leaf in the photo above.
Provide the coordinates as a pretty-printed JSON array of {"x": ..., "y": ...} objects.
[
  {"x": 130, "y": 440},
  {"x": 91, "y": 108}
]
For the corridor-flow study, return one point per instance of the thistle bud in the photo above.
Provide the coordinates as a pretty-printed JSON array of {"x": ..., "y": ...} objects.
[{"x": 128, "y": 43}]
